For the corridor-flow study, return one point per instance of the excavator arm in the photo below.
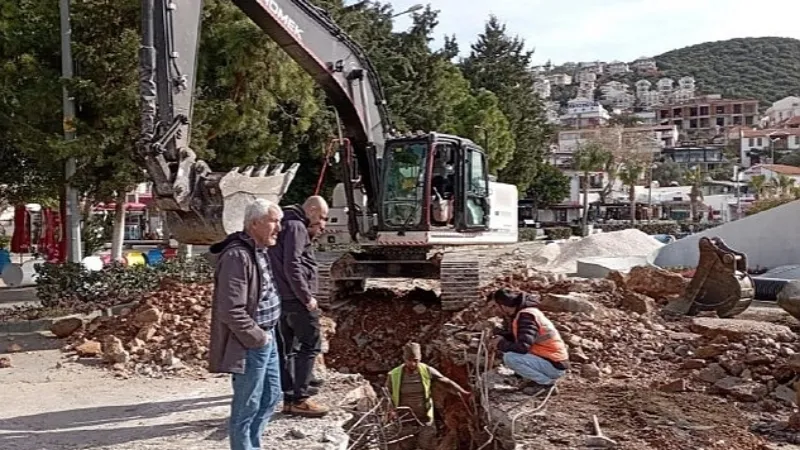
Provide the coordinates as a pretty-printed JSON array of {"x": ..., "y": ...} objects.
[{"x": 203, "y": 206}]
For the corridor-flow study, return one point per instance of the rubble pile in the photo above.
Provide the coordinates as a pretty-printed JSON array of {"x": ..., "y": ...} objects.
[
  {"x": 167, "y": 332},
  {"x": 373, "y": 327}
]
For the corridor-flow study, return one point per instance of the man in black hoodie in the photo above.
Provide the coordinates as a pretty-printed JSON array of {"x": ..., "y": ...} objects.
[
  {"x": 296, "y": 276},
  {"x": 531, "y": 346}
]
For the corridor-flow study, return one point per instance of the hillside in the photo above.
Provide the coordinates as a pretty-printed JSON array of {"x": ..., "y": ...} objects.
[{"x": 766, "y": 69}]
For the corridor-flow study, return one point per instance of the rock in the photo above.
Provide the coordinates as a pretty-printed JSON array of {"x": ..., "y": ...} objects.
[
  {"x": 736, "y": 329},
  {"x": 638, "y": 303},
  {"x": 794, "y": 422},
  {"x": 146, "y": 333},
  {"x": 678, "y": 385},
  {"x": 654, "y": 282},
  {"x": 758, "y": 360},
  {"x": 573, "y": 303},
  {"x": 789, "y": 298},
  {"x": 420, "y": 309},
  {"x": 735, "y": 368},
  {"x": 147, "y": 316},
  {"x": 712, "y": 373},
  {"x": 113, "y": 351},
  {"x": 14, "y": 348},
  {"x": 66, "y": 327},
  {"x": 5, "y": 362},
  {"x": 785, "y": 394},
  {"x": 89, "y": 349},
  {"x": 590, "y": 371},
  {"x": 296, "y": 433},
  {"x": 742, "y": 390},
  {"x": 577, "y": 355},
  {"x": 618, "y": 278},
  {"x": 691, "y": 364},
  {"x": 711, "y": 351}
]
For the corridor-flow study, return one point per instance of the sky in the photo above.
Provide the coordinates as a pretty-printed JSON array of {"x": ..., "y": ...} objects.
[{"x": 587, "y": 30}]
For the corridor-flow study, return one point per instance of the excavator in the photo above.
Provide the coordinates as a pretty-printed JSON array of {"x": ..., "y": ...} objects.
[{"x": 405, "y": 199}]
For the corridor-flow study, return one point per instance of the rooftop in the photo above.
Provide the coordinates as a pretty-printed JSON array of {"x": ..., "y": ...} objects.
[{"x": 780, "y": 168}]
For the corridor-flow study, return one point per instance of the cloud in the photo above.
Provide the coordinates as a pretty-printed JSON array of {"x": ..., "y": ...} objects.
[{"x": 581, "y": 30}]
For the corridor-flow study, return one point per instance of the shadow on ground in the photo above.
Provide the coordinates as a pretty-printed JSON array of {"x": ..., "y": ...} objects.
[
  {"x": 29, "y": 342},
  {"x": 61, "y": 429}
]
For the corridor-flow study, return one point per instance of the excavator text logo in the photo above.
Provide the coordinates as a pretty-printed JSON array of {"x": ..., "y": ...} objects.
[{"x": 275, "y": 9}]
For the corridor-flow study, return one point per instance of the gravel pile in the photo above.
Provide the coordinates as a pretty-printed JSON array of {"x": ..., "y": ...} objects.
[{"x": 630, "y": 242}]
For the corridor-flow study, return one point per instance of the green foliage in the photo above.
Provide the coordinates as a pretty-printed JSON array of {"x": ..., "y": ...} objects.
[
  {"x": 5, "y": 241},
  {"x": 526, "y": 234},
  {"x": 768, "y": 203},
  {"x": 790, "y": 159},
  {"x": 660, "y": 227},
  {"x": 550, "y": 187},
  {"x": 71, "y": 284},
  {"x": 557, "y": 233},
  {"x": 501, "y": 64},
  {"x": 766, "y": 69}
]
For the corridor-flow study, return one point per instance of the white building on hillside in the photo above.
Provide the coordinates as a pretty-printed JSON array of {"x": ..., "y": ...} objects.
[
  {"x": 560, "y": 79},
  {"x": 644, "y": 65},
  {"x": 783, "y": 109},
  {"x": 758, "y": 146},
  {"x": 583, "y": 112},
  {"x": 772, "y": 171},
  {"x": 542, "y": 88},
  {"x": 617, "y": 68}
]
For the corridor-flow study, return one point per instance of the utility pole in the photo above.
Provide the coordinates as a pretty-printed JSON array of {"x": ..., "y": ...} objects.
[{"x": 71, "y": 223}]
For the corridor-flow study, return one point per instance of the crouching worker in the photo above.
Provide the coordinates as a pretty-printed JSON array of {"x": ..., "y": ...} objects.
[
  {"x": 532, "y": 348},
  {"x": 411, "y": 387}
]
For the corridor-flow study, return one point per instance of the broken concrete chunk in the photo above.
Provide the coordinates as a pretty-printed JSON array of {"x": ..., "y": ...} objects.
[
  {"x": 114, "y": 352},
  {"x": 574, "y": 303},
  {"x": 89, "y": 349},
  {"x": 5, "y": 362},
  {"x": 736, "y": 329},
  {"x": 679, "y": 385},
  {"x": 66, "y": 327}
]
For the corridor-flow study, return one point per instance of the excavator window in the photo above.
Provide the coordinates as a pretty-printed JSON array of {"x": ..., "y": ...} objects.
[
  {"x": 477, "y": 190},
  {"x": 405, "y": 184}
]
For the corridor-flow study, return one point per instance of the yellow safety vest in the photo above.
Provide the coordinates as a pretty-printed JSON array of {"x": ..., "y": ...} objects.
[{"x": 396, "y": 375}]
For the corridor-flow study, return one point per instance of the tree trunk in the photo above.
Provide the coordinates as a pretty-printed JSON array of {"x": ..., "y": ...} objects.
[
  {"x": 118, "y": 234},
  {"x": 632, "y": 200},
  {"x": 585, "y": 220}
]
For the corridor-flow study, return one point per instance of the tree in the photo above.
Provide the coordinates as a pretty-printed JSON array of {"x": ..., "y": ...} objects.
[
  {"x": 549, "y": 188},
  {"x": 791, "y": 159},
  {"x": 668, "y": 172},
  {"x": 588, "y": 158},
  {"x": 629, "y": 176},
  {"x": 695, "y": 178},
  {"x": 501, "y": 64},
  {"x": 758, "y": 182}
]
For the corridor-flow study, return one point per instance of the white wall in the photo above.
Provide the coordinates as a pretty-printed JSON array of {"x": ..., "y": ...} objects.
[{"x": 769, "y": 239}]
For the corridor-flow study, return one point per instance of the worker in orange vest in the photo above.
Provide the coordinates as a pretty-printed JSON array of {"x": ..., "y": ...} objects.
[{"x": 531, "y": 346}]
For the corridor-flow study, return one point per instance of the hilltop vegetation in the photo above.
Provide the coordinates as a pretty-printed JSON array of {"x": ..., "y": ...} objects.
[{"x": 766, "y": 69}]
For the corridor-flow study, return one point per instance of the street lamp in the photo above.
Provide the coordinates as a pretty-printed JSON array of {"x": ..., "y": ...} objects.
[{"x": 410, "y": 10}]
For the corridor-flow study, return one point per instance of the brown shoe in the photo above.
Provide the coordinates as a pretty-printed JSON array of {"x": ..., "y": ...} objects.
[{"x": 308, "y": 408}]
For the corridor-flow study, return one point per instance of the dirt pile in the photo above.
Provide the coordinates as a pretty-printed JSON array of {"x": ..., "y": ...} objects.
[
  {"x": 630, "y": 242},
  {"x": 167, "y": 332}
]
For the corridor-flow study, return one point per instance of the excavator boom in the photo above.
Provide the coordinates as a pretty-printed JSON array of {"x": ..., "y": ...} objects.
[{"x": 203, "y": 206}]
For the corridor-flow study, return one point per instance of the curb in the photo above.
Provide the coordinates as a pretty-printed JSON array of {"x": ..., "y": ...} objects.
[{"x": 33, "y": 326}]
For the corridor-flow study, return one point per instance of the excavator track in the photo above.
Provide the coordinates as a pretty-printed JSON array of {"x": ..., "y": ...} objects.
[
  {"x": 460, "y": 280},
  {"x": 327, "y": 286}
]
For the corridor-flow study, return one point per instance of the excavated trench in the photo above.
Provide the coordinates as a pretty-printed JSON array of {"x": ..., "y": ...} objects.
[{"x": 366, "y": 336}]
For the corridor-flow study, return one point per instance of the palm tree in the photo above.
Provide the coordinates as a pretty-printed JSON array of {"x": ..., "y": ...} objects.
[
  {"x": 757, "y": 182},
  {"x": 784, "y": 184},
  {"x": 695, "y": 179},
  {"x": 589, "y": 157},
  {"x": 629, "y": 175}
]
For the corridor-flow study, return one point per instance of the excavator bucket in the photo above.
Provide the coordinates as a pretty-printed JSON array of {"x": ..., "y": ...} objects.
[
  {"x": 720, "y": 283},
  {"x": 220, "y": 200}
]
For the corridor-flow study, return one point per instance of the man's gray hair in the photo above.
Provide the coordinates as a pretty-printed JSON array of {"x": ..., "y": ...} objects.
[{"x": 258, "y": 209}]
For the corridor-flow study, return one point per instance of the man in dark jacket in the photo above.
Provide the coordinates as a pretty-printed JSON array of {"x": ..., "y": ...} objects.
[
  {"x": 297, "y": 284},
  {"x": 244, "y": 317},
  {"x": 532, "y": 346}
]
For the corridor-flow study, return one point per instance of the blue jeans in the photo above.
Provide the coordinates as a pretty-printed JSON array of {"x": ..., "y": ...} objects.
[
  {"x": 532, "y": 367},
  {"x": 256, "y": 393}
]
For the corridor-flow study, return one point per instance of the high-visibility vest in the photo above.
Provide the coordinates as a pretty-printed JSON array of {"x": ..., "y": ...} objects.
[
  {"x": 396, "y": 375},
  {"x": 552, "y": 349}
]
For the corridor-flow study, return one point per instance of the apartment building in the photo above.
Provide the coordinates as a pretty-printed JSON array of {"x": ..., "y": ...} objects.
[
  {"x": 560, "y": 79},
  {"x": 783, "y": 110},
  {"x": 585, "y": 75},
  {"x": 644, "y": 65},
  {"x": 596, "y": 67},
  {"x": 708, "y": 113},
  {"x": 617, "y": 68},
  {"x": 766, "y": 146},
  {"x": 661, "y": 136},
  {"x": 543, "y": 88},
  {"x": 772, "y": 171},
  {"x": 583, "y": 112},
  {"x": 706, "y": 157},
  {"x": 586, "y": 90}
]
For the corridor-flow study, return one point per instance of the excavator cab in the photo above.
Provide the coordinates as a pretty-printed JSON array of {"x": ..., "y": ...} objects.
[{"x": 434, "y": 182}]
